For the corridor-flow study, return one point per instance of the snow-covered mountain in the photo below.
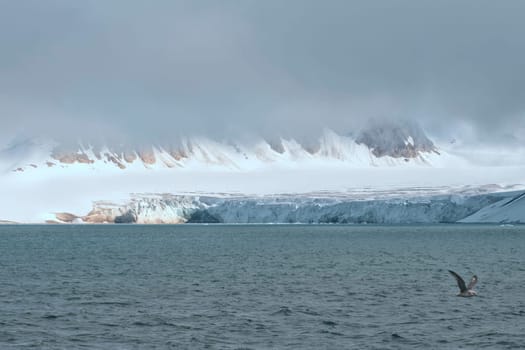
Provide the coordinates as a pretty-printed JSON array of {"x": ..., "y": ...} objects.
[
  {"x": 389, "y": 145},
  {"x": 387, "y": 163},
  {"x": 399, "y": 140}
]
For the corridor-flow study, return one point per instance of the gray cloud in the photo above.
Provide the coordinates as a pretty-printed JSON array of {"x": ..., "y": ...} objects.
[{"x": 162, "y": 68}]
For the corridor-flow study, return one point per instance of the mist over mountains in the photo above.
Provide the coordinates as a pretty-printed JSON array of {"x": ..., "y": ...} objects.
[
  {"x": 376, "y": 144},
  {"x": 137, "y": 72}
]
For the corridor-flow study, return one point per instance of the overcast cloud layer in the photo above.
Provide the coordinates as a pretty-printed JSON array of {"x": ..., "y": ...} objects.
[{"x": 155, "y": 69}]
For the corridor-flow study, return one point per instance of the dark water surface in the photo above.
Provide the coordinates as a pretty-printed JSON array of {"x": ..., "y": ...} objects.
[{"x": 260, "y": 287}]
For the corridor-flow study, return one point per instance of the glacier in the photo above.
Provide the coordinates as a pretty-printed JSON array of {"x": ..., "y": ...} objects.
[
  {"x": 388, "y": 174},
  {"x": 509, "y": 210},
  {"x": 316, "y": 208}
]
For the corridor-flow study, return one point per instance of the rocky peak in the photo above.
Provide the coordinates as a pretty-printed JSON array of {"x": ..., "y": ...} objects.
[{"x": 395, "y": 139}]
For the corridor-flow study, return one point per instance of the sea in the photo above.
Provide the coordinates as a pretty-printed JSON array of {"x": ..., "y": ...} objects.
[{"x": 260, "y": 287}]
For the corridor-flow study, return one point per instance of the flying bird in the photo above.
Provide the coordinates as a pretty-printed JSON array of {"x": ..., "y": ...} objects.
[{"x": 464, "y": 290}]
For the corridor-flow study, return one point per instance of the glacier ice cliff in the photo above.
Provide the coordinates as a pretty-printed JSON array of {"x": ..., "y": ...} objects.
[{"x": 174, "y": 209}]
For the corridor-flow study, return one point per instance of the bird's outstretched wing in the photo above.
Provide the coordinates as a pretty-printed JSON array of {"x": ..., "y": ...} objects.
[
  {"x": 461, "y": 283},
  {"x": 472, "y": 282}
]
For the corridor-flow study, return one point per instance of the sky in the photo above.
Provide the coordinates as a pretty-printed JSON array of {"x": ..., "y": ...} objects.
[{"x": 150, "y": 70}]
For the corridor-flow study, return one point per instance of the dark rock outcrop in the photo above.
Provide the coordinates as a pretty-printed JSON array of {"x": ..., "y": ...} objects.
[
  {"x": 126, "y": 218},
  {"x": 395, "y": 139}
]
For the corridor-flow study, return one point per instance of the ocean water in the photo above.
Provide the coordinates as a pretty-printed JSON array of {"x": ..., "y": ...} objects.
[{"x": 260, "y": 287}]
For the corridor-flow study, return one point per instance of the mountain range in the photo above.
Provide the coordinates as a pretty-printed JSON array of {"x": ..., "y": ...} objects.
[
  {"x": 393, "y": 163},
  {"x": 384, "y": 145}
]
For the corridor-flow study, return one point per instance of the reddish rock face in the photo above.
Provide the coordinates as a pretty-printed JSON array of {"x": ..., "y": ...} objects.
[
  {"x": 97, "y": 218},
  {"x": 71, "y": 157},
  {"x": 83, "y": 158},
  {"x": 120, "y": 156},
  {"x": 130, "y": 156},
  {"x": 64, "y": 158},
  {"x": 147, "y": 156},
  {"x": 65, "y": 217}
]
